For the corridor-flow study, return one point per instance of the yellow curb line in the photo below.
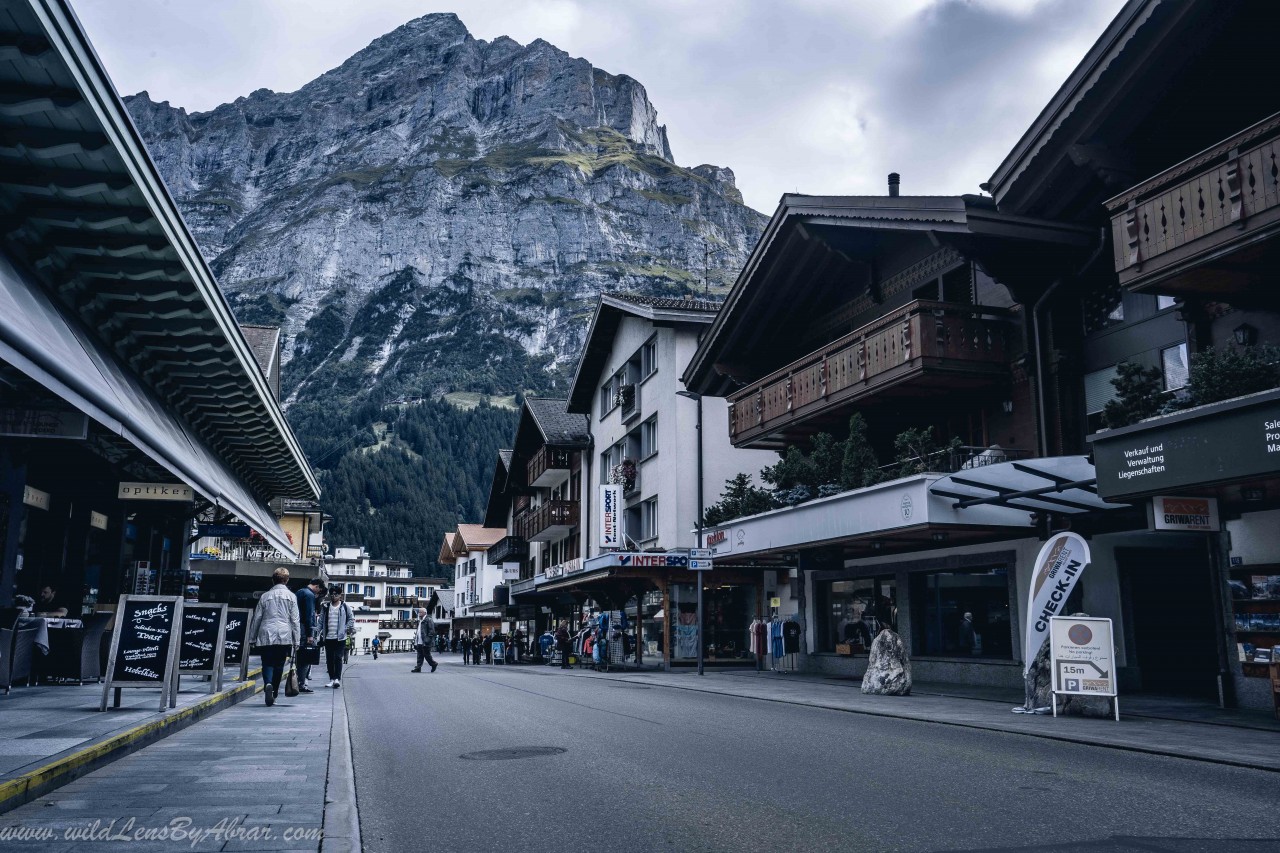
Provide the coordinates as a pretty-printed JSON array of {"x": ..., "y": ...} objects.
[{"x": 20, "y": 786}]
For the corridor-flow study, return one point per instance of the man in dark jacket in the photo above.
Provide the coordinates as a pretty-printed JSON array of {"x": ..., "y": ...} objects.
[
  {"x": 423, "y": 639},
  {"x": 563, "y": 644},
  {"x": 307, "y": 616}
]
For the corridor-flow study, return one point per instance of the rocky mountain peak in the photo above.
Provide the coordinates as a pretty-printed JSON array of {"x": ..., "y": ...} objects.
[{"x": 437, "y": 213}]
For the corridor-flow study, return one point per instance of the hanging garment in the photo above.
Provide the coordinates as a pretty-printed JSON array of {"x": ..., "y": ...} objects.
[
  {"x": 775, "y": 638},
  {"x": 759, "y": 637},
  {"x": 791, "y": 637}
]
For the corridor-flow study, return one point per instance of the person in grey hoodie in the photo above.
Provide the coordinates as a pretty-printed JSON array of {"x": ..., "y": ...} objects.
[
  {"x": 275, "y": 629},
  {"x": 424, "y": 638}
]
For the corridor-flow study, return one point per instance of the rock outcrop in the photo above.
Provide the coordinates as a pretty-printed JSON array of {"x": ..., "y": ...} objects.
[
  {"x": 888, "y": 667},
  {"x": 439, "y": 212}
]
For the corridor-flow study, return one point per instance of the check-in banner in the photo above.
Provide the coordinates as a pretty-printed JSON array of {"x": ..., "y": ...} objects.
[{"x": 1059, "y": 565}]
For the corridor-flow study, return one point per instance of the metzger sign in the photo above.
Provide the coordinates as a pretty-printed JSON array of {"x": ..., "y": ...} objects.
[{"x": 1221, "y": 443}]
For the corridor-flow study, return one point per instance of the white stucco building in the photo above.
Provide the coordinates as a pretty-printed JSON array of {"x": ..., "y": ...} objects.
[{"x": 384, "y": 594}]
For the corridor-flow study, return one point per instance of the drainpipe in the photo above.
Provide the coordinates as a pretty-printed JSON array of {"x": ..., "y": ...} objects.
[{"x": 1039, "y": 343}]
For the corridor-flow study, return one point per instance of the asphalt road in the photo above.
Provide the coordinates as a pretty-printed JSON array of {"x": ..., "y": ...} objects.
[{"x": 655, "y": 769}]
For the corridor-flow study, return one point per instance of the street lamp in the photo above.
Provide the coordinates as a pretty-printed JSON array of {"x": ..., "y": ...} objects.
[{"x": 691, "y": 395}]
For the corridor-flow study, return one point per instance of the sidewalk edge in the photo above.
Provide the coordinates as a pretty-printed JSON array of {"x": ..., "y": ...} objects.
[
  {"x": 67, "y": 768},
  {"x": 1062, "y": 738},
  {"x": 341, "y": 817}
]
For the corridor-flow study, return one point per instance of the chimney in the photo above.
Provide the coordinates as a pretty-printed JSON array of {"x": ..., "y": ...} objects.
[{"x": 894, "y": 178}]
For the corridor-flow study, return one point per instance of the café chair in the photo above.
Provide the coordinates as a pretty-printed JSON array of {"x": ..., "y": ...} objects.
[
  {"x": 20, "y": 646},
  {"x": 75, "y": 653}
]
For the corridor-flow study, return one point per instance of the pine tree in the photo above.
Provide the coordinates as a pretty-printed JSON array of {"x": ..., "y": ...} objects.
[
  {"x": 859, "y": 467},
  {"x": 1138, "y": 395}
]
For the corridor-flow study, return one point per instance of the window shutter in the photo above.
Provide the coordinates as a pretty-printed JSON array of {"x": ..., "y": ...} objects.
[{"x": 1098, "y": 389}]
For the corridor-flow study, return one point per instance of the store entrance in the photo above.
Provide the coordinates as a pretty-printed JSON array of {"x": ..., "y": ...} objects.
[{"x": 1171, "y": 628}]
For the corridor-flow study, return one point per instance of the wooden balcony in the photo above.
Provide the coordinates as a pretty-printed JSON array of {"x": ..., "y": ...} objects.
[
  {"x": 1203, "y": 226},
  {"x": 509, "y": 549},
  {"x": 549, "y": 467},
  {"x": 919, "y": 349},
  {"x": 548, "y": 522}
]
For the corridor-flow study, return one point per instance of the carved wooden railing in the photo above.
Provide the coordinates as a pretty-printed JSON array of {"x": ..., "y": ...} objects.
[
  {"x": 550, "y": 514},
  {"x": 871, "y": 357},
  {"x": 1212, "y": 194},
  {"x": 547, "y": 459}
]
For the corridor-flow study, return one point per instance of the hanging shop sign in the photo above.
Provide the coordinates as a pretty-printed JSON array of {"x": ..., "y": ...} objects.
[
  {"x": 43, "y": 423},
  {"x": 156, "y": 492},
  {"x": 610, "y": 516},
  {"x": 223, "y": 531},
  {"x": 1221, "y": 443},
  {"x": 1057, "y": 568},
  {"x": 98, "y": 520},
  {"x": 1082, "y": 656},
  {"x": 35, "y": 498},
  {"x": 1195, "y": 514},
  {"x": 511, "y": 571}
]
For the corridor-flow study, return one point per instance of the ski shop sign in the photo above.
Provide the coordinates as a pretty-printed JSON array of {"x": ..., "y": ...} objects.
[
  {"x": 610, "y": 516},
  {"x": 640, "y": 560},
  {"x": 1058, "y": 566}
]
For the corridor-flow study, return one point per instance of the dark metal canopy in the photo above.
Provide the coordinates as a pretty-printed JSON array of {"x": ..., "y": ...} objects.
[
  {"x": 1066, "y": 485},
  {"x": 84, "y": 211}
]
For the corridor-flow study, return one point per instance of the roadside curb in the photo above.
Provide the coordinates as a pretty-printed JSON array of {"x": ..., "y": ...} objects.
[
  {"x": 71, "y": 766},
  {"x": 341, "y": 827},
  {"x": 989, "y": 727}
]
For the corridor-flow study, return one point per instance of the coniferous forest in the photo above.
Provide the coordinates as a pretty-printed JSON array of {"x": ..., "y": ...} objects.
[{"x": 397, "y": 477}]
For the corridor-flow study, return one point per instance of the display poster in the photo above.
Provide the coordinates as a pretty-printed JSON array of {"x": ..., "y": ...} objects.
[
  {"x": 1082, "y": 656},
  {"x": 1057, "y": 568},
  {"x": 234, "y": 650}
]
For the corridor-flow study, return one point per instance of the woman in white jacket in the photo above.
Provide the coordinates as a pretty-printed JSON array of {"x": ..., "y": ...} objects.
[{"x": 275, "y": 630}]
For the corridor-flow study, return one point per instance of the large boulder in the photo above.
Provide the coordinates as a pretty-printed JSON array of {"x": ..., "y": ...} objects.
[{"x": 888, "y": 669}]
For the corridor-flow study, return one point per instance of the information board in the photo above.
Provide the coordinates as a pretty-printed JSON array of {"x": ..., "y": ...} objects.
[
  {"x": 202, "y": 642},
  {"x": 234, "y": 647},
  {"x": 144, "y": 646},
  {"x": 1082, "y": 657}
]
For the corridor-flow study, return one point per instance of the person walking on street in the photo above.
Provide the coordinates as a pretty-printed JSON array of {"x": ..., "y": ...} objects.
[
  {"x": 464, "y": 643},
  {"x": 337, "y": 623},
  {"x": 562, "y": 643},
  {"x": 375, "y": 645},
  {"x": 275, "y": 629},
  {"x": 423, "y": 638},
  {"x": 307, "y": 598},
  {"x": 476, "y": 649}
]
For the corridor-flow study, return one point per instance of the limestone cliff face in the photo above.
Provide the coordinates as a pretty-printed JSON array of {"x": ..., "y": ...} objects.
[{"x": 438, "y": 213}]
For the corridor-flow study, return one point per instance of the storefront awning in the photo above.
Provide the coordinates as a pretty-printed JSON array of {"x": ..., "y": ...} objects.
[
  {"x": 54, "y": 349},
  {"x": 1060, "y": 484}
]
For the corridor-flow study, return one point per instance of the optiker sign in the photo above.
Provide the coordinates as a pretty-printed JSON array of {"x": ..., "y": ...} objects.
[{"x": 156, "y": 492}]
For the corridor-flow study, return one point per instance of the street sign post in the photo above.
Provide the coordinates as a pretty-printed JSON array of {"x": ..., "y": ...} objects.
[
  {"x": 700, "y": 565},
  {"x": 1082, "y": 658},
  {"x": 700, "y": 553}
]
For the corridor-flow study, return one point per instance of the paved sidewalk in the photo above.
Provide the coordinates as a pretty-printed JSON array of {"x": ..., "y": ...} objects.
[
  {"x": 1257, "y": 748},
  {"x": 249, "y": 778}
]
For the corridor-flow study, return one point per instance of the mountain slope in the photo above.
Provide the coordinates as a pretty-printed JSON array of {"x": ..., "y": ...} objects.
[{"x": 438, "y": 213}]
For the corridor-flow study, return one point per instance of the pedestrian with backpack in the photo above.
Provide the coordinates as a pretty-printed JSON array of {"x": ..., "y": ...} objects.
[{"x": 337, "y": 623}]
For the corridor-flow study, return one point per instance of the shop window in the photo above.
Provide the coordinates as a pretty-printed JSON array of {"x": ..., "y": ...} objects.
[
  {"x": 728, "y": 611},
  {"x": 940, "y": 602},
  {"x": 1173, "y": 361},
  {"x": 854, "y": 611}
]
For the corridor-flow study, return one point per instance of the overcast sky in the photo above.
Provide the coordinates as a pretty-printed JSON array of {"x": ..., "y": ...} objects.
[{"x": 815, "y": 96}]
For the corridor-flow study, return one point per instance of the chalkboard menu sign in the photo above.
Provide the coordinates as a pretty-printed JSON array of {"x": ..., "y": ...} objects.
[
  {"x": 144, "y": 645},
  {"x": 233, "y": 640},
  {"x": 201, "y": 649}
]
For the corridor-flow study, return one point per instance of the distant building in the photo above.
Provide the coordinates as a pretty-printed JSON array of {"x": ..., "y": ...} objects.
[
  {"x": 384, "y": 595},
  {"x": 474, "y": 580}
]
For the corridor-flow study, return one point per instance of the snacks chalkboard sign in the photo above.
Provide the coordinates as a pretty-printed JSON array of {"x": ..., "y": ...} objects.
[
  {"x": 235, "y": 652},
  {"x": 201, "y": 650},
  {"x": 144, "y": 646}
]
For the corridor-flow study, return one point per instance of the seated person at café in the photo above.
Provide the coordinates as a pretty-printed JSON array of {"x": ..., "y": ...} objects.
[{"x": 49, "y": 603}]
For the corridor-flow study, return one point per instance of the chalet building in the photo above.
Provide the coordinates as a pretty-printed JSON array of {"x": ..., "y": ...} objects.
[
  {"x": 537, "y": 497},
  {"x": 1155, "y": 145},
  {"x": 132, "y": 401},
  {"x": 644, "y": 436},
  {"x": 384, "y": 596},
  {"x": 481, "y": 596},
  {"x": 1132, "y": 224}
]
